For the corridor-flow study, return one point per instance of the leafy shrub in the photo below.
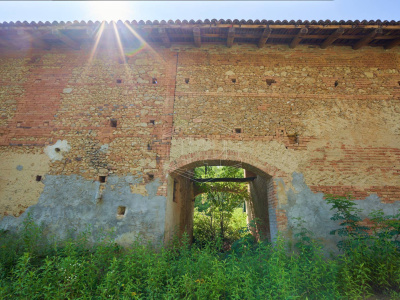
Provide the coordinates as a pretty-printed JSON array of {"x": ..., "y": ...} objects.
[
  {"x": 78, "y": 269},
  {"x": 371, "y": 254}
]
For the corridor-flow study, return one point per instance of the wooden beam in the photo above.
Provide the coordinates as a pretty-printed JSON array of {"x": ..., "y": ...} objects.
[
  {"x": 67, "y": 40},
  {"x": 275, "y": 36},
  {"x": 197, "y": 37},
  {"x": 201, "y": 189},
  {"x": 296, "y": 40},
  {"x": 247, "y": 179},
  {"x": 393, "y": 44},
  {"x": 366, "y": 40},
  {"x": 264, "y": 37},
  {"x": 231, "y": 37},
  {"x": 10, "y": 44},
  {"x": 333, "y": 37},
  {"x": 35, "y": 38},
  {"x": 164, "y": 37}
]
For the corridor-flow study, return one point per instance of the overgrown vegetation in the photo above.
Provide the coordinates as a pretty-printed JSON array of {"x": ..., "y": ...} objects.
[
  {"x": 369, "y": 263},
  {"x": 218, "y": 210}
]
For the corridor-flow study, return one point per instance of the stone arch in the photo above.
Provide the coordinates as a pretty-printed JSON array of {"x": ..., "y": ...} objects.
[{"x": 181, "y": 192}]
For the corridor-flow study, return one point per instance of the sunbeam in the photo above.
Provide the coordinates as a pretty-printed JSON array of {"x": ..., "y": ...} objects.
[
  {"x": 143, "y": 45},
  {"x": 98, "y": 37}
]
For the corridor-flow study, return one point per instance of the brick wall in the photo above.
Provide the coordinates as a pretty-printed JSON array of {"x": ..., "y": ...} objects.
[{"x": 332, "y": 115}]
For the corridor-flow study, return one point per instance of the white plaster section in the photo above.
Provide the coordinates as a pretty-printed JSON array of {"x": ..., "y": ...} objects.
[{"x": 56, "y": 151}]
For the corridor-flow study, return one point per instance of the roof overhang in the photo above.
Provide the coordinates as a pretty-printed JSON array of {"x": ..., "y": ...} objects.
[{"x": 355, "y": 34}]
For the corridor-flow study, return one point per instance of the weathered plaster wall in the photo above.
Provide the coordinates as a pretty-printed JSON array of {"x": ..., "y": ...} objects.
[
  {"x": 19, "y": 187},
  {"x": 71, "y": 204},
  {"x": 331, "y": 115}
]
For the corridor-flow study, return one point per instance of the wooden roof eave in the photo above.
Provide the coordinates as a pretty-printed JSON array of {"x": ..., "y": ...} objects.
[{"x": 191, "y": 26}]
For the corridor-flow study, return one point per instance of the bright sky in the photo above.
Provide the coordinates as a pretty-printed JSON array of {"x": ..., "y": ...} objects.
[{"x": 166, "y": 10}]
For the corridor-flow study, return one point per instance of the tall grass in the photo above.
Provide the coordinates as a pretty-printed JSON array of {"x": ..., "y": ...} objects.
[{"x": 33, "y": 268}]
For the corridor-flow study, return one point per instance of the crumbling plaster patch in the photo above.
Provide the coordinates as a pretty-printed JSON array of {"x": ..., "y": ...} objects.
[{"x": 55, "y": 152}]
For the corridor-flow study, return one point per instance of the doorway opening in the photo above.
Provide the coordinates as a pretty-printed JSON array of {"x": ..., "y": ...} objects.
[{"x": 224, "y": 199}]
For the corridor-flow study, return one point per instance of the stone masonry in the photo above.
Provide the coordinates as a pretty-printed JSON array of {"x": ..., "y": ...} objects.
[{"x": 88, "y": 139}]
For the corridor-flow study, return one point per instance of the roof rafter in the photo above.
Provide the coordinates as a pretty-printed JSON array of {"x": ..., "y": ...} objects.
[
  {"x": 366, "y": 40},
  {"x": 67, "y": 40},
  {"x": 393, "y": 43},
  {"x": 231, "y": 37},
  {"x": 333, "y": 37},
  {"x": 264, "y": 37},
  {"x": 197, "y": 37},
  {"x": 296, "y": 40},
  {"x": 164, "y": 37}
]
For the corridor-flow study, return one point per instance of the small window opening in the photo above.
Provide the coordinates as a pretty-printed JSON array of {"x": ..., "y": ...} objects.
[
  {"x": 233, "y": 80},
  {"x": 270, "y": 81},
  {"x": 336, "y": 83},
  {"x": 119, "y": 80},
  {"x": 113, "y": 123},
  {"x": 46, "y": 123},
  {"x": 148, "y": 147},
  {"x": 57, "y": 150},
  {"x": 238, "y": 130},
  {"x": 398, "y": 82},
  {"x": 19, "y": 124},
  {"x": 121, "y": 211},
  {"x": 102, "y": 179},
  {"x": 38, "y": 178},
  {"x": 154, "y": 81},
  {"x": 152, "y": 122},
  {"x": 151, "y": 176},
  {"x": 186, "y": 80}
]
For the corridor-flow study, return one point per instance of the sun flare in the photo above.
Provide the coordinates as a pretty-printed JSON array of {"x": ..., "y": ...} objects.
[{"x": 109, "y": 10}]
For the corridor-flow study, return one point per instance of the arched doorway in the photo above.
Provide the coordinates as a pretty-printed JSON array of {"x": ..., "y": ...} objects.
[{"x": 182, "y": 190}]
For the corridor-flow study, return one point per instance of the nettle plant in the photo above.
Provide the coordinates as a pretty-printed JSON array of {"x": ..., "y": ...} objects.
[
  {"x": 371, "y": 260},
  {"x": 382, "y": 228}
]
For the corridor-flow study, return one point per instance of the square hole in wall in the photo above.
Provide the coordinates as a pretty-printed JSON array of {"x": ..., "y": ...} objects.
[
  {"x": 148, "y": 147},
  {"x": 186, "y": 80},
  {"x": 151, "y": 176},
  {"x": 38, "y": 80},
  {"x": 154, "y": 80},
  {"x": 121, "y": 210},
  {"x": 19, "y": 124},
  {"x": 119, "y": 80},
  {"x": 113, "y": 123},
  {"x": 270, "y": 81},
  {"x": 102, "y": 179},
  {"x": 336, "y": 83},
  {"x": 38, "y": 178},
  {"x": 233, "y": 80},
  {"x": 398, "y": 82},
  {"x": 152, "y": 122},
  {"x": 238, "y": 130},
  {"x": 46, "y": 123}
]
